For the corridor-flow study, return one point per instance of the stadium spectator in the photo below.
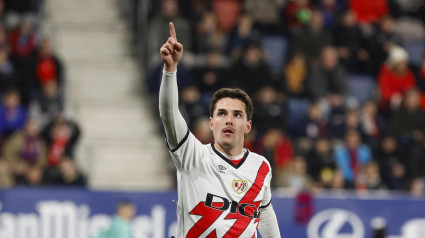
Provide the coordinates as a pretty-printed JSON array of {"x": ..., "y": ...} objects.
[
  {"x": 69, "y": 174},
  {"x": 278, "y": 147},
  {"x": 295, "y": 76},
  {"x": 312, "y": 127},
  {"x": 415, "y": 159},
  {"x": 409, "y": 118},
  {"x": 241, "y": 36},
  {"x": 12, "y": 114},
  {"x": 395, "y": 78},
  {"x": 417, "y": 187},
  {"x": 382, "y": 42},
  {"x": 24, "y": 149},
  {"x": 270, "y": 112},
  {"x": 211, "y": 76},
  {"x": 42, "y": 68},
  {"x": 61, "y": 136},
  {"x": 33, "y": 176},
  {"x": 121, "y": 223},
  {"x": 283, "y": 152},
  {"x": 49, "y": 104},
  {"x": 297, "y": 13},
  {"x": 371, "y": 178},
  {"x": 352, "y": 44},
  {"x": 388, "y": 157},
  {"x": 340, "y": 123},
  {"x": 331, "y": 10},
  {"x": 352, "y": 156},
  {"x": 169, "y": 11},
  {"x": 265, "y": 14},
  {"x": 327, "y": 82},
  {"x": 338, "y": 182},
  {"x": 22, "y": 40},
  {"x": 368, "y": 12},
  {"x": 320, "y": 161},
  {"x": 227, "y": 12},
  {"x": 295, "y": 175},
  {"x": 208, "y": 36},
  {"x": 311, "y": 38},
  {"x": 372, "y": 124},
  {"x": 191, "y": 105},
  {"x": 251, "y": 71}
]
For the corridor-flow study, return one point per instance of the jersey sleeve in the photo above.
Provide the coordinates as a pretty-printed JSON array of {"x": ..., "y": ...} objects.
[
  {"x": 188, "y": 153},
  {"x": 172, "y": 120},
  {"x": 185, "y": 149},
  {"x": 268, "y": 226}
]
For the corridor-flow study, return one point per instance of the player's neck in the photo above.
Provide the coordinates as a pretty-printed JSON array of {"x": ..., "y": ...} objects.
[{"x": 237, "y": 150}]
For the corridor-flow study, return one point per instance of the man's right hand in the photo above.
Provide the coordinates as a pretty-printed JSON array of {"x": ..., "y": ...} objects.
[{"x": 171, "y": 52}]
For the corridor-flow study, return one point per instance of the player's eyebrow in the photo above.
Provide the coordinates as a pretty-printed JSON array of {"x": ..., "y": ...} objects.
[{"x": 225, "y": 110}]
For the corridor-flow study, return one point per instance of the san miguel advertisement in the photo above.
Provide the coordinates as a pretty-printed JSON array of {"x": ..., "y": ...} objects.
[{"x": 75, "y": 213}]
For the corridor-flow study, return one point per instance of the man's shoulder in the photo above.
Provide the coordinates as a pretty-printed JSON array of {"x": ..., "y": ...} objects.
[{"x": 258, "y": 157}]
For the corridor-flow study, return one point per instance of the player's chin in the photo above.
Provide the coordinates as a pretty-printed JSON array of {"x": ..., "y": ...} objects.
[{"x": 227, "y": 142}]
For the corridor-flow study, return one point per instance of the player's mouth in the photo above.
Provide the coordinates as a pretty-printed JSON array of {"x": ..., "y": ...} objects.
[{"x": 228, "y": 131}]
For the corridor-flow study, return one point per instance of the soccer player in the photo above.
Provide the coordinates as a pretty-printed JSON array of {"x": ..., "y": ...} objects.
[{"x": 223, "y": 188}]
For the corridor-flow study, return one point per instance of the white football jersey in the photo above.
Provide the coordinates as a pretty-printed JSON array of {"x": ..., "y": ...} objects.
[{"x": 216, "y": 197}]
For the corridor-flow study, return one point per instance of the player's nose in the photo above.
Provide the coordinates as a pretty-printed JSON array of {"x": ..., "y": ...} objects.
[{"x": 229, "y": 121}]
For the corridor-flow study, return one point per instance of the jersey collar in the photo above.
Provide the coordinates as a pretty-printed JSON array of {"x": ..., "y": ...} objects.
[{"x": 227, "y": 160}]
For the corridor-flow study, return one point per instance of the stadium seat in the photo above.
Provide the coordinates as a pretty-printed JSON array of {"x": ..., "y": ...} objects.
[
  {"x": 362, "y": 87},
  {"x": 416, "y": 50},
  {"x": 276, "y": 48}
]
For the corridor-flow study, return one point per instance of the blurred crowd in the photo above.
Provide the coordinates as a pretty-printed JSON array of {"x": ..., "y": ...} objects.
[
  {"x": 338, "y": 86},
  {"x": 37, "y": 140}
]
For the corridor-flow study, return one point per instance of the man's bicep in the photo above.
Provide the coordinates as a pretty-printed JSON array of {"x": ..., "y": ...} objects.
[
  {"x": 175, "y": 130},
  {"x": 269, "y": 227}
]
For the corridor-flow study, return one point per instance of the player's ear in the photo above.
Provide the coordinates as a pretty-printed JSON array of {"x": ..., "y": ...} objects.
[
  {"x": 211, "y": 123},
  {"x": 248, "y": 127}
]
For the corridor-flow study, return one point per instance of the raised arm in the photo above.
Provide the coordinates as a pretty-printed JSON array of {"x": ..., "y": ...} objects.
[{"x": 174, "y": 124}]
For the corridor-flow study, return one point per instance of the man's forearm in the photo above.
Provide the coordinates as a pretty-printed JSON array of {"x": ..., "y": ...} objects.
[
  {"x": 174, "y": 124},
  {"x": 268, "y": 223}
]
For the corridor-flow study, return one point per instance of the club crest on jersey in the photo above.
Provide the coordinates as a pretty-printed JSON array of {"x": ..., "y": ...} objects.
[{"x": 239, "y": 186}]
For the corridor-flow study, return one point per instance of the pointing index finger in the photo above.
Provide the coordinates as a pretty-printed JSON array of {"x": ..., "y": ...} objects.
[{"x": 172, "y": 31}]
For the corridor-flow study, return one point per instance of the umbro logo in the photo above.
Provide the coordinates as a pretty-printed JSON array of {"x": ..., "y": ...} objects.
[{"x": 222, "y": 169}]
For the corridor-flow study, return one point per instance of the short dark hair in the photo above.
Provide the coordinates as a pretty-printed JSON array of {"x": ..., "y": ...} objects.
[
  {"x": 234, "y": 93},
  {"x": 124, "y": 203}
]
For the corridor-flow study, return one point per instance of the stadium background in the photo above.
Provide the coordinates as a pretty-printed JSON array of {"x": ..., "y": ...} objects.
[{"x": 338, "y": 89}]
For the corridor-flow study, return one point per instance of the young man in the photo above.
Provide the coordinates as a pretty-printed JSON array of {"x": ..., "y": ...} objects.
[
  {"x": 121, "y": 224},
  {"x": 223, "y": 188}
]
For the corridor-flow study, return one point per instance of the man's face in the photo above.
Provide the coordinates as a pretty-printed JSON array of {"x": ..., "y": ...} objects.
[{"x": 229, "y": 123}]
